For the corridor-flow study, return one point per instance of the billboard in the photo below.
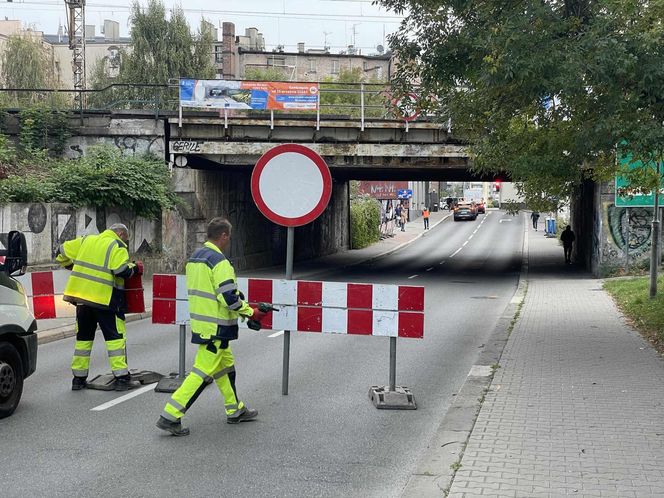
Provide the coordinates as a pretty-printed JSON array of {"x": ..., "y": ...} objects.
[
  {"x": 382, "y": 190},
  {"x": 259, "y": 95}
]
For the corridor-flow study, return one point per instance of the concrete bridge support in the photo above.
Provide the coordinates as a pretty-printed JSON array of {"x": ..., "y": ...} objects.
[{"x": 256, "y": 241}]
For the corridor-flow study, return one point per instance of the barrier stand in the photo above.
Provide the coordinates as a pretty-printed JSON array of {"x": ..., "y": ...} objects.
[
  {"x": 392, "y": 397},
  {"x": 173, "y": 381}
]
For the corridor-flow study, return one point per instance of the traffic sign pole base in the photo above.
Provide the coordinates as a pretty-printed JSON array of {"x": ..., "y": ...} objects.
[
  {"x": 169, "y": 384},
  {"x": 399, "y": 399},
  {"x": 106, "y": 382}
]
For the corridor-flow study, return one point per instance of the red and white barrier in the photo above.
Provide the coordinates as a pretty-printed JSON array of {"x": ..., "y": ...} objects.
[
  {"x": 44, "y": 290},
  {"x": 326, "y": 307}
]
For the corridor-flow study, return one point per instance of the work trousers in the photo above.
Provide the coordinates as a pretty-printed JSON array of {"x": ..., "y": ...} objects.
[
  {"x": 426, "y": 223},
  {"x": 212, "y": 364},
  {"x": 112, "y": 325}
]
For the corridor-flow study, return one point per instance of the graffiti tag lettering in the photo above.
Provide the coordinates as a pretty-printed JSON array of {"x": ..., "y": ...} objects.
[{"x": 185, "y": 146}]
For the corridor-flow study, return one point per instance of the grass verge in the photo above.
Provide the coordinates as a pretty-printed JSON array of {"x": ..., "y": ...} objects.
[{"x": 645, "y": 314}]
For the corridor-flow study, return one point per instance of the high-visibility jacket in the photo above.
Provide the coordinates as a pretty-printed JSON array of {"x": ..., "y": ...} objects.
[
  {"x": 99, "y": 264},
  {"x": 214, "y": 300}
]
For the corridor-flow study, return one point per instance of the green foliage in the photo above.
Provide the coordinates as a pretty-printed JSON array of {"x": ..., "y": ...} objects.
[
  {"x": 543, "y": 91},
  {"x": 24, "y": 64},
  {"x": 269, "y": 74},
  {"x": 43, "y": 128},
  {"x": 341, "y": 95},
  {"x": 364, "y": 222},
  {"x": 102, "y": 178},
  {"x": 162, "y": 47},
  {"x": 631, "y": 296}
]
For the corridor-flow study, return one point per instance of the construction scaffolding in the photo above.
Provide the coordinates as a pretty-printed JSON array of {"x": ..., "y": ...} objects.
[{"x": 76, "y": 30}]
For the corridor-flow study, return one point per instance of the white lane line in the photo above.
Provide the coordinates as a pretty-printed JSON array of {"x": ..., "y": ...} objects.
[
  {"x": 455, "y": 252},
  {"x": 277, "y": 334},
  {"x": 121, "y": 399},
  {"x": 442, "y": 262},
  {"x": 429, "y": 269},
  {"x": 464, "y": 244},
  {"x": 472, "y": 235},
  {"x": 413, "y": 276}
]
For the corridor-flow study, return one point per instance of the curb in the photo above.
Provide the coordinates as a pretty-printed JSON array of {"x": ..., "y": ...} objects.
[
  {"x": 435, "y": 471},
  {"x": 56, "y": 334}
]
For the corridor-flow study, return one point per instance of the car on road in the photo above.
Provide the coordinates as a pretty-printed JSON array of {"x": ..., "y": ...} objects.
[
  {"x": 481, "y": 208},
  {"x": 18, "y": 328},
  {"x": 465, "y": 211}
]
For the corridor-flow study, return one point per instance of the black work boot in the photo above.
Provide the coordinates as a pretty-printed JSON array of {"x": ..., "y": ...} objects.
[
  {"x": 78, "y": 383},
  {"x": 125, "y": 383},
  {"x": 242, "y": 415},
  {"x": 175, "y": 428}
]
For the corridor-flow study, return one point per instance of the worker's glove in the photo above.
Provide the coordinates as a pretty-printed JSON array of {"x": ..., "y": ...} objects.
[
  {"x": 239, "y": 293},
  {"x": 138, "y": 268},
  {"x": 258, "y": 314}
]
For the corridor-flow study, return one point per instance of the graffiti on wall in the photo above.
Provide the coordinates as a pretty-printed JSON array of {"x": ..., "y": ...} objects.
[
  {"x": 47, "y": 226},
  {"x": 128, "y": 145},
  {"x": 631, "y": 228}
]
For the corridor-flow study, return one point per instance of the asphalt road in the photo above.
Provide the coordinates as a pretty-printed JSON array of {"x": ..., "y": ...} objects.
[{"x": 324, "y": 439}]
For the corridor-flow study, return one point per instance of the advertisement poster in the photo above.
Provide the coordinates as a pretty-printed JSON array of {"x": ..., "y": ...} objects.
[
  {"x": 382, "y": 190},
  {"x": 259, "y": 95}
]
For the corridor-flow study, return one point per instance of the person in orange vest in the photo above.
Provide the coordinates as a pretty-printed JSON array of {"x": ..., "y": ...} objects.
[{"x": 425, "y": 216}]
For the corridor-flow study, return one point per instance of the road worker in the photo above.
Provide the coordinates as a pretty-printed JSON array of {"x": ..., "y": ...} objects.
[
  {"x": 99, "y": 264},
  {"x": 215, "y": 304}
]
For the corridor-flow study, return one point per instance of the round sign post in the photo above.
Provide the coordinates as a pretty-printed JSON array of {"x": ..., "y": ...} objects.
[{"x": 291, "y": 185}]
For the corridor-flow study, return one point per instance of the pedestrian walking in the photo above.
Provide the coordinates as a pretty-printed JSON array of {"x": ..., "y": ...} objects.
[
  {"x": 404, "y": 218},
  {"x": 397, "y": 214},
  {"x": 425, "y": 216},
  {"x": 568, "y": 238},
  {"x": 535, "y": 217},
  {"x": 215, "y": 304},
  {"x": 99, "y": 264}
]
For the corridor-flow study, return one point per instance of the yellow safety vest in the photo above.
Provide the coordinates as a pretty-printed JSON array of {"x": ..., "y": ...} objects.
[
  {"x": 214, "y": 300},
  {"x": 96, "y": 259}
]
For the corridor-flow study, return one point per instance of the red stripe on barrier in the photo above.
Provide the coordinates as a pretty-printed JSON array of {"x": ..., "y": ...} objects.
[
  {"x": 260, "y": 291},
  {"x": 411, "y": 325},
  {"x": 360, "y": 296},
  {"x": 310, "y": 293},
  {"x": 360, "y": 322},
  {"x": 163, "y": 311},
  {"x": 310, "y": 319},
  {"x": 42, "y": 283},
  {"x": 44, "y": 307},
  {"x": 164, "y": 287},
  {"x": 411, "y": 298}
]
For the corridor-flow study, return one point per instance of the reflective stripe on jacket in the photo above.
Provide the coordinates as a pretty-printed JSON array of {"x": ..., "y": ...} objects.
[
  {"x": 214, "y": 299},
  {"x": 97, "y": 261}
]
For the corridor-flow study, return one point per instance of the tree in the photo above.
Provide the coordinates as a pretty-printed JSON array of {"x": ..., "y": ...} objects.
[
  {"x": 542, "y": 90},
  {"x": 24, "y": 64},
  {"x": 267, "y": 74},
  {"x": 161, "y": 48},
  {"x": 341, "y": 95},
  {"x": 545, "y": 91}
]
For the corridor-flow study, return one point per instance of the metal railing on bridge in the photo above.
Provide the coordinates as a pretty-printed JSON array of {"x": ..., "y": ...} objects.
[{"x": 359, "y": 102}]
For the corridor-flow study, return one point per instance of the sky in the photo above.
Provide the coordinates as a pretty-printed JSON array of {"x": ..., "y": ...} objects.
[{"x": 286, "y": 22}]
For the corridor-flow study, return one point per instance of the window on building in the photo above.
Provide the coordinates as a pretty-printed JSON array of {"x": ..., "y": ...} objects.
[
  {"x": 335, "y": 67},
  {"x": 218, "y": 57},
  {"x": 312, "y": 65},
  {"x": 276, "y": 60}
]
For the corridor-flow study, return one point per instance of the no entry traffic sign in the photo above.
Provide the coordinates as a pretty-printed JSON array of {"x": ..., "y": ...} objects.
[{"x": 291, "y": 185}]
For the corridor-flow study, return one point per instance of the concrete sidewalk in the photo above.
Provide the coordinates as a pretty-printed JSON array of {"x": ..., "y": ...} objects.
[
  {"x": 61, "y": 328},
  {"x": 576, "y": 406}
]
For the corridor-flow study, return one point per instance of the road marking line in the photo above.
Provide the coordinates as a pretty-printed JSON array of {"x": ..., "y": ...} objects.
[
  {"x": 413, "y": 276},
  {"x": 464, "y": 244},
  {"x": 456, "y": 252},
  {"x": 430, "y": 268},
  {"x": 121, "y": 399},
  {"x": 471, "y": 237},
  {"x": 442, "y": 262},
  {"x": 276, "y": 334}
]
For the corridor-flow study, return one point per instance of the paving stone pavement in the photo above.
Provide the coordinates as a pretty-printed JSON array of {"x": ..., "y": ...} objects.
[{"x": 577, "y": 405}]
